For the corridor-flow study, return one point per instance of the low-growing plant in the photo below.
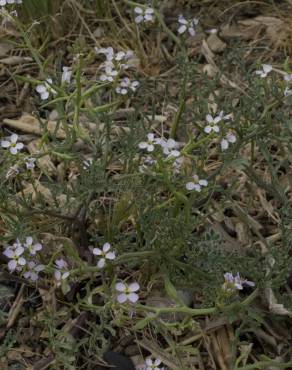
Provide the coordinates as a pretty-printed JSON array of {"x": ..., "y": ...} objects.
[{"x": 123, "y": 186}]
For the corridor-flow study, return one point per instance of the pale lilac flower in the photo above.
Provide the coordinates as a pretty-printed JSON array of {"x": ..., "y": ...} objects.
[
  {"x": 30, "y": 163},
  {"x": 33, "y": 271},
  {"x": 187, "y": 25},
  {"x": 110, "y": 73},
  {"x": 212, "y": 122},
  {"x": 144, "y": 15},
  {"x": 125, "y": 85},
  {"x": 105, "y": 254},
  {"x": 31, "y": 247},
  {"x": 148, "y": 145},
  {"x": 12, "y": 144},
  {"x": 287, "y": 91},
  {"x": 66, "y": 75},
  {"x": 108, "y": 52},
  {"x": 61, "y": 271},
  {"x": 196, "y": 184},
  {"x": 288, "y": 77},
  {"x": 266, "y": 69},
  {"x": 235, "y": 282},
  {"x": 5, "y": 2},
  {"x": 127, "y": 292},
  {"x": 230, "y": 138},
  {"x": 153, "y": 364},
  {"x": 46, "y": 89},
  {"x": 14, "y": 253},
  {"x": 112, "y": 56},
  {"x": 169, "y": 147}
]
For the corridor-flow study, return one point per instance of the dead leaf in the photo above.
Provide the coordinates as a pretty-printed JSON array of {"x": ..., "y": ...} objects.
[
  {"x": 274, "y": 306},
  {"x": 215, "y": 43},
  {"x": 29, "y": 124}
]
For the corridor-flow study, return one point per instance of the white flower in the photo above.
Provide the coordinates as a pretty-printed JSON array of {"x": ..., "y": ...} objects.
[
  {"x": 144, "y": 15},
  {"x": 66, "y": 75},
  {"x": 229, "y": 138},
  {"x": 30, "y": 163},
  {"x": 61, "y": 272},
  {"x": 196, "y": 184},
  {"x": 127, "y": 292},
  {"x": 33, "y": 271},
  {"x": 114, "y": 62},
  {"x": 32, "y": 248},
  {"x": 288, "y": 77},
  {"x": 187, "y": 25},
  {"x": 266, "y": 69},
  {"x": 125, "y": 85},
  {"x": 45, "y": 89},
  {"x": 169, "y": 147},
  {"x": 12, "y": 144},
  {"x": 148, "y": 145},
  {"x": 108, "y": 52},
  {"x": 4, "y": 2},
  {"x": 287, "y": 91},
  {"x": 105, "y": 254},
  {"x": 14, "y": 253},
  {"x": 235, "y": 282},
  {"x": 212, "y": 122},
  {"x": 153, "y": 364},
  {"x": 110, "y": 73}
]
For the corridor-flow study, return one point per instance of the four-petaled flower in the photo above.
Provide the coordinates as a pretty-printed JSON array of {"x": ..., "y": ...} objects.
[
  {"x": 212, "y": 122},
  {"x": 12, "y": 144},
  {"x": 31, "y": 247},
  {"x": 144, "y": 15},
  {"x": 61, "y": 272},
  {"x": 125, "y": 85},
  {"x": 30, "y": 163},
  {"x": 127, "y": 292},
  {"x": 169, "y": 147},
  {"x": 196, "y": 184},
  {"x": 153, "y": 364},
  {"x": 110, "y": 73},
  {"x": 33, "y": 271},
  {"x": 14, "y": 253},
  {"x": 266, "y": 69},
  {"x": 45, "y": 89},
  {"x": 148, "y": 145},
  {"x": 105, "y": 254},
  {"x": 230, "y": 138},
  {"x": 233, "y": 283},
  {"x": 187, "y": 25}
]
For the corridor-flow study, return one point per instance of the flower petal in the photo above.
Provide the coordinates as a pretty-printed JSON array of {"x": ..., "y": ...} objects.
[
  {"x": 133, "y": 287},
  {"x": 121, "y": 287},
  {"x": 133, "y": 297},
  {"x": 110, "y": 255},
  {"x": 101, "y": 263},
  {"x": 97, "y": 251},
  {"x": 122, "y": 298}
]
